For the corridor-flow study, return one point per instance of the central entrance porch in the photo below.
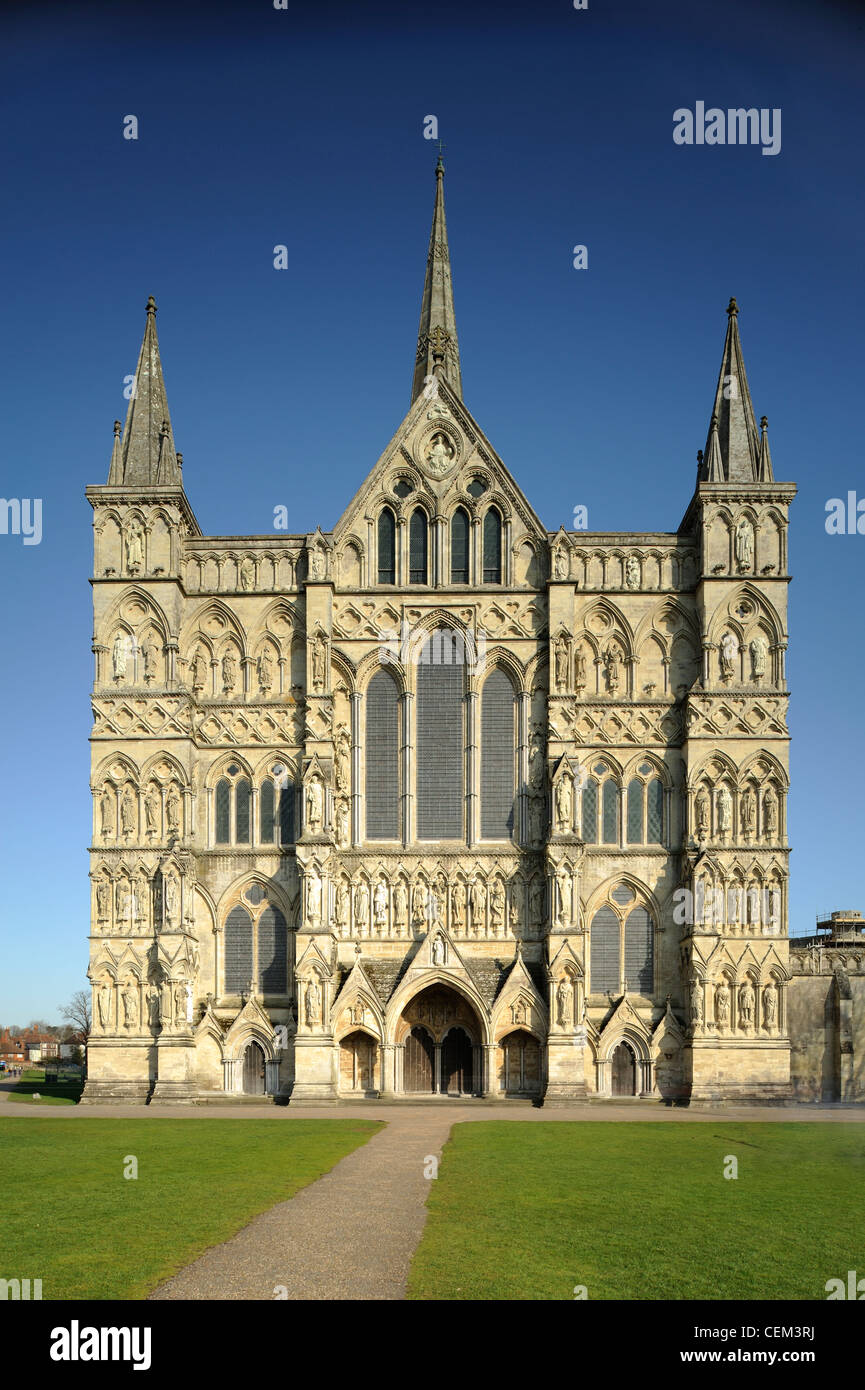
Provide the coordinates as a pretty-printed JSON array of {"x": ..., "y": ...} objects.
[{"x": 440, "y": 1046}]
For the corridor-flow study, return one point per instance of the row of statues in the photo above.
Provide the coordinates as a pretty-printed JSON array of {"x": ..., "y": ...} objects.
[
  {"x": 745, "y": 1009},
  {"x": 125, "y": 652},
  {"x": 158, "y": 804},
  {"x": 750, "y": 802},
  {"x": 475, "y": 908},
  {"x": 126, "y": 1006},
  {"x": 728, "y": 653},
  {"x": 126, "y": 903},
  {"x": 611, "y": 666}
]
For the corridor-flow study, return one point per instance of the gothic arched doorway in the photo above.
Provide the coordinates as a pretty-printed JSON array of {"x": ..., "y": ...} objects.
[
  {"x": 441, "y": 1038},
  {"x": 253, "y": 1070},
  {"x": 457, "y": 1070},
  {"x": 358, "y": 1054},
  {"x": 623, "y": 1069},
  {"x": 521, "y": 1064},
  {"x": 419, "y": 1064}
]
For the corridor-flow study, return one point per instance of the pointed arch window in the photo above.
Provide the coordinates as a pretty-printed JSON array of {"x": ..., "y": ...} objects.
[
  {"x": 382, "y": 758},
  {"x": 589, "y": 820},
  {"x": 440, "y": 739},
  {"x": 492, "y": 547},
  {"x": 286, "y": 813},
  {"x": 223, "y": 811},
  {"x": 497, "y": 757},
  {"x": 386, "y": 547},
  {"x": 460, "y": 546},
  {"x": 622, "y": 945},
  {"x": 272, "y": 952},
  {"x": 242, "y": 808},
  {"x": 655, "y": 812},
  {"x": 639, "y": 962},
  {"x": 605, "y": 951},
  {"x": 238, "y": 950},
  {"x": 611, "y": 813},
  {"x": 418, "y": 533},
  {"x": 635, "y": 812},
  {"x": 266, "y": 811}
]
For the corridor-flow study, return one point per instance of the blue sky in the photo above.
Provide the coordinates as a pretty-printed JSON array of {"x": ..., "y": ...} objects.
[{"x": 260, "y": 127}]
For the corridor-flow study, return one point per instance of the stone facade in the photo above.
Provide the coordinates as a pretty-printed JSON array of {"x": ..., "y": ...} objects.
[
  {"x": 440, "y": 800},
  {"x": 827, "y": 1008}
]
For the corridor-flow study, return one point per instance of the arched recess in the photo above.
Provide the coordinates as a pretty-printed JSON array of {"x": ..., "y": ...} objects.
[
  {"x": 382, "y": 799},
  {"x": 440, "y": 737},
  {"x": 498, "y": 756}
]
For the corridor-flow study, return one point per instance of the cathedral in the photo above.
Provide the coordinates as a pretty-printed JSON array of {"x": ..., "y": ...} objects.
[{"x": 440, "y": 802}]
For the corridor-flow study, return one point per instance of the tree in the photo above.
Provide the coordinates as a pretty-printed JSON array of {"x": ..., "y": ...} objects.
[{"x": 77, "y": 1011}]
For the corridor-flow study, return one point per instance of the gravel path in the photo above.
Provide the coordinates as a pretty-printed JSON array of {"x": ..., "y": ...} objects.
[{"x": 350, "y": 1235}]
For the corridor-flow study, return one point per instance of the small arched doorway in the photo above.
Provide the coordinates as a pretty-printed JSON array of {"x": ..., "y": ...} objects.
[
  {"x": 521, "y": 1064},
  {"x": 419, "y": 1064},
  {"x": 623, "y": 1071},
  {"x": 253, "y": 1070},
  {"x": 457, "y": 1071},
  {"x": 358, "y": 1055}
]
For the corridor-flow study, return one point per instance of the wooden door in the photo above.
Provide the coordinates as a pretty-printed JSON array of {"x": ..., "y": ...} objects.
[
  {"x": 253, "y": 1070},
  {"x": 624, "y": 1071},
  {"x": 457, "y": 1062},
  {"x": 418, "y": 1066}
]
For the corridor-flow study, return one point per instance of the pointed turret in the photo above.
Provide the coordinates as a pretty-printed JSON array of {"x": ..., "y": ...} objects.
[
  {"x": 437, "y": 346},
  {"x": 733, "y": 445},
  {"x": 146, "y": 454},
  {"x": 765, "y": 474}
]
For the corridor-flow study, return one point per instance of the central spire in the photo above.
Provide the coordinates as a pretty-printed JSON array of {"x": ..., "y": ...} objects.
[{"x": 437, "y": 347}]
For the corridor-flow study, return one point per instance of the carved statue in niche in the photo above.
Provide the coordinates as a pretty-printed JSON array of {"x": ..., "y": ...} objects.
[
  {"x": 497, "y": 907},
  {"x": 314, "y": 804},
  {"x": 701, "y": 812},
  {"x": 313, "y": 897},
  {"x": 770, "y": 1005},
  {"x": 563, "y": 654},
  {"x": 722, "y": 1002},
  {"x": 458, "y": 907},
  {"x": 247, "y": 572},
  {"x": 106, "y": 811},
  {"x": 564, "y": 802},
  {"x": 130, "y": 1005},
  {"x": 581, "y": 669},
  {"x": 744, "y": 544},
  {"x": 199, "y": 670},
  {"x": 536, "y": 902},
  {"x": 343, "y": 904},
  {"x": 725, "y": 810},
  {"x": 564, "y": 1002},
  {"x": 418, "y": 904},
  {"x": 536, "y": 819},
  {"x": 172, "y": 810},
  {"x": 632, "y": 572},
  {"x": 400, "y": 904},
  {"x": 612, "y": 660},
  {"x": 439, "y": 455},
  {"x": 179, "y": 1003},
  {"x": 139, "y": 900},
  {"x": 565, "y": 896},
  {"x": 122, "y": 902},
  {"x": 753, "y": 905},
  {"x": 380, "y": 904},
  {"x": 734, "y": 905},
  {"x": 517, "y": 891},
  {"x": 536, "y": 758},
  {"x": 134, "y": 548},
  {"x": 770, "y": 813},
  {"x": 357, "y": 1012},
  {"x": 438, "y": 951},
  {"x": 342, "y": 759},
  {"x": 265, "y": 670},
  {"x": 128, "y": 815},
  {"x": 119, "y": 654},
  {"x": 103, "y": 1004},
  {"x": 229, "y": 672},
  {"x": 696, "y": 1001},
  {"x": 150, "y": 652},
  {"x": 171, "y": 898},
  {"x": 759, "y": 651},
  {"x": 728, "y": 653},
  {"x": 746, "y": 1004},
  {"x": 103, "y": 900},
  {"x": 342, "y": 819},
  {"x": 748, "y": 812},
  {"x": 316, "y": 564},
  {"x": 562, "y": 562},
  {"x": 519, "y": 1012},
  {"x": 151, "y": 811},
  {"x": 312, "y": 999},
  {"x": 479, "y": 906},
  {"x": 319, "y": 658},
  {"x": 361, "y": 905}
]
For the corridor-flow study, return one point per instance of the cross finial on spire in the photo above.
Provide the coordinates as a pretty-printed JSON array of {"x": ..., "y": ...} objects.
[
  {"x": 150, "y": 306},
  {"x": 732, "y": 307}
]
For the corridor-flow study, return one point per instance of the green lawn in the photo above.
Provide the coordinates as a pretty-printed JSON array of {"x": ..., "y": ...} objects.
[
  {"x": 642, "y": 1211},
  {"x": 70, "y": 1218},
  {"x": 64, "y": 1091}
]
